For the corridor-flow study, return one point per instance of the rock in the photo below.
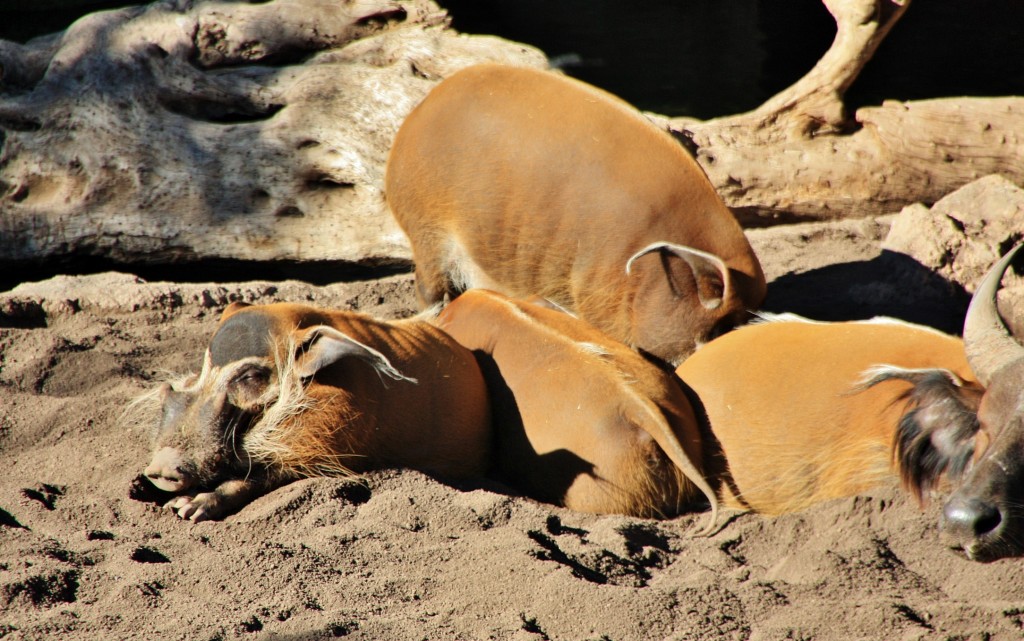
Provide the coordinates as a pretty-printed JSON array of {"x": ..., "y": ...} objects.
[{"x": 964, "y": 233}]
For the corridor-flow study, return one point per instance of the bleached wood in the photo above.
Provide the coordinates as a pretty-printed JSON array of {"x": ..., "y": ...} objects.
[{"x": 181, "y": 130}]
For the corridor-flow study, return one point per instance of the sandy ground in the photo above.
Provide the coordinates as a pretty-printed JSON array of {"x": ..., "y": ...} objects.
[{"x": 86, "y": 554}]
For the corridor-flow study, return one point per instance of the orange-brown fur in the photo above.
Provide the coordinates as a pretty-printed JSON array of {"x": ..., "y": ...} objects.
[
  {"x": 439, "y": 424},
  {"x": 531, "y": 183},
  {"x": 788, "y": 414},
  {"x": 286, "y": 393},
  {"x": 592, "y": 425}
]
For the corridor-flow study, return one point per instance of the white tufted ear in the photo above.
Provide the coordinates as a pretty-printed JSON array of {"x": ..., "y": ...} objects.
[
  {"x": 325, "y": 346},
  {"x": 710, "y": 272}
]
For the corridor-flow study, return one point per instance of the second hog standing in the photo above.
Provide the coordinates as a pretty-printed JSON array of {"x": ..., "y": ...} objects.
[{"x": 534, "y": 184}]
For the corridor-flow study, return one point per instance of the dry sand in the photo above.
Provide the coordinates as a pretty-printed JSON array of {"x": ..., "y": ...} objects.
[{"x": 85, "y": 554}]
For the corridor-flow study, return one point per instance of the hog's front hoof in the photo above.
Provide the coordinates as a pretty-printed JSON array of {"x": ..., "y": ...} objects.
[{"x": 201, "y": 507}]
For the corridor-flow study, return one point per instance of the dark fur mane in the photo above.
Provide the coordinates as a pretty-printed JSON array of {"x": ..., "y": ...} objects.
[{"x": 936, "y": 436}]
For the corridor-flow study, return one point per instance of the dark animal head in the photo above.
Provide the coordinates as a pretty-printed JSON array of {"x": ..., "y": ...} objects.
[
  {"x": 973, "y": 435},
  {"x": 258, "y": 379},
  {"x": 984, "y": 517}
]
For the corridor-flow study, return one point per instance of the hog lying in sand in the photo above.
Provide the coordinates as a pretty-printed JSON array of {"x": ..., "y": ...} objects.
[
  {"x": 803, "y": 411},
  {"x": 581, "y": 420},
  {"x": 289, "y": 391},
  {"x": 534, "y": 184},
  {"x": 808, "y": 411}
]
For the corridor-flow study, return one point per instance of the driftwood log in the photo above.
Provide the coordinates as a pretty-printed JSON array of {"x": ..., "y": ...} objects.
[
  {"x": 180, "y": 131},
  {"x": 799, "y": 156}
]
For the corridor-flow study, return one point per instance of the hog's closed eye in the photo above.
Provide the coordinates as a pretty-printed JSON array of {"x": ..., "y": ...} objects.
[{"x": 251, "y": 375}]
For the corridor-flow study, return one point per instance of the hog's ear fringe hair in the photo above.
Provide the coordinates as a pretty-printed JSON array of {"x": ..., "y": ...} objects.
[
  {"x": 936, "y": 435},
  {"x": 294, "y": 436}
]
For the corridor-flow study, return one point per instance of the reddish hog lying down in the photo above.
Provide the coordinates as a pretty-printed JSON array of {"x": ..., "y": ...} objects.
[
  {"x": 581, "y": 420},
  {"x": 531, "y": 183},
  {"x": 803, "y": 411},
  {"x": 288, "y": 391}
]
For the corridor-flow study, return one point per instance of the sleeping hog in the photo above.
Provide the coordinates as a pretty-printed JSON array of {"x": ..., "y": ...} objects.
[{"x": 289, "y": 391}]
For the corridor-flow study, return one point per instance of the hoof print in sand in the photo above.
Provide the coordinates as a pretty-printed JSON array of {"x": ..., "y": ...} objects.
[
  {"x": 41, "y": 590},
  {"x": 8, "y": 520},
  {"x": 45, "y": 494},
  {"x": 249, "y": 626},
  {"x": 145, "y": 492},
  {"x": 143, "y": 554},
  {"x": 99, "y": 535}
]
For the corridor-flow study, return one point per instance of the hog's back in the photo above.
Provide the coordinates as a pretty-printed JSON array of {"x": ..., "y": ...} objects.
[
  {"x": 783, "y": 402},
  {"x": 531, "y": 183}
]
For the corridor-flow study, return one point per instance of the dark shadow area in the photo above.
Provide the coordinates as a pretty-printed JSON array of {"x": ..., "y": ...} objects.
[
  {"x": 8, "y": 520},
  {"x": 706, "y": 58},
  {"x": 355, "y": 492},
  {"x": 639, "y": 536},
  {"x": 143, "y": 491},
  {"x": 144, "y": 554},
  {"x": 550, "y": 551},
  {"x": 559, "y": 468},
  {"x": 45, "y": 494},
  {"x": 891, "y": 284},
  {"x": 947, "y": 49},
  {"x": 701, "y": 58},
  {"x": 22, "y": 20},
  {"x": 716, "y": 468},
  {"x": 218, "y": 270}
]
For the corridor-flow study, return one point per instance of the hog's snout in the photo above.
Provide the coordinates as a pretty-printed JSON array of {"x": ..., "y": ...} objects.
[
  {"x": 169, "y": 471},
  {"x": 975, "y": 526},
  {"x": 970, "y": 518}
]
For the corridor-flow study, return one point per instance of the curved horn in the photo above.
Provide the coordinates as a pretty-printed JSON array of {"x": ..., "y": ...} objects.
[{"x": 987, "y": 342}]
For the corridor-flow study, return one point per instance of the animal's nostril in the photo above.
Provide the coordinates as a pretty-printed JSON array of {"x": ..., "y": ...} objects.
[
  {"x": 166, "y": 471},
  {"x": 170, "y": 475},
  {"x": 971, "y": 517}
]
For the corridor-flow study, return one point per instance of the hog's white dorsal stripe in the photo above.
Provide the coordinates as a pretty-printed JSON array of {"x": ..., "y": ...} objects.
[{"x": 762, "y": 317}]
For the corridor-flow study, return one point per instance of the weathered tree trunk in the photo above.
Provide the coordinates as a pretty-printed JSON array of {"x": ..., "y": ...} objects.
[
  {"x": 799, "y": 157},
  {"x": 179, "y": 131},
  {"x": 227, "y": 130}
]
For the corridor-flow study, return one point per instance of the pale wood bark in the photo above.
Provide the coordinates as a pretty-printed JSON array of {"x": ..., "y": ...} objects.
[
  {"x": 800, "y": 157},
  {"x": 180, "y": 131}
]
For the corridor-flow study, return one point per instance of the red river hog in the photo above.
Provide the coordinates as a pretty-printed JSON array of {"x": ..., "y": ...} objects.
[
  {"x": 534, "y": 184},
  {"x": 289, "y": 391},
  {"x": 802, "y": 411},
  {"x": 581, "y": 420}
]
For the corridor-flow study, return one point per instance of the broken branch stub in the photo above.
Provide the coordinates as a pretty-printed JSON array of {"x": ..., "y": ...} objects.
[{"x": 799, "y": 156}]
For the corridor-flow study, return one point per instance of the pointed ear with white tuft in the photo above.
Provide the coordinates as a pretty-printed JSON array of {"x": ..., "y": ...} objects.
[
  {"x": 710, "y": 272},
  {"x": 324, "y": 346}
]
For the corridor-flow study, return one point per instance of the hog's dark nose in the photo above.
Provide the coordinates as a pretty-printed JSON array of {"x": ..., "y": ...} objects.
[{"x": 966, "y": 519}]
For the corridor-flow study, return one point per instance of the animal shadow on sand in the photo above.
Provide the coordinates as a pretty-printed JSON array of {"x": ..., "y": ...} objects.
[{"x": 891, "y": 284}]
